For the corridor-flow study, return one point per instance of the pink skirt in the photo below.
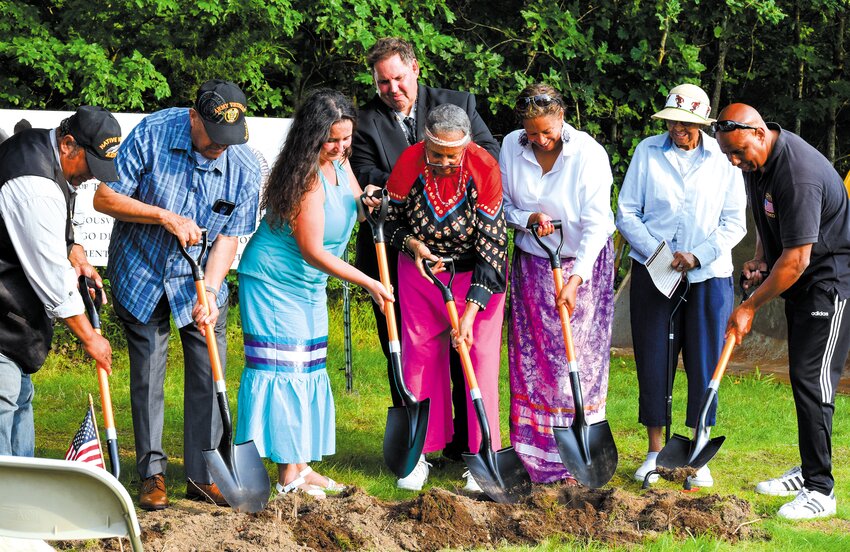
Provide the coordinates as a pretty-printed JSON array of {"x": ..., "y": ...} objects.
[{"x": 425, "y": 343}]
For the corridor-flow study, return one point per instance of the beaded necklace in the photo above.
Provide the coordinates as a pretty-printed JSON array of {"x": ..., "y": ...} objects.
[{"x": 431, "y": 182}]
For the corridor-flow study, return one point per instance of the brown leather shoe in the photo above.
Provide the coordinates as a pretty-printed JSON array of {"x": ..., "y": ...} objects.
[
  {"x": 207, "y": 492},
  {"x": 152, "y": 494}
]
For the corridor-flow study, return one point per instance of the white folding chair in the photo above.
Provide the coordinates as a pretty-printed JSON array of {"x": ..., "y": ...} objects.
[{"x": 49, "y": 499}]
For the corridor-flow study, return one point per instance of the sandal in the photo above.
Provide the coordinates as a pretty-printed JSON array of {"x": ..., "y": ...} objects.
[
  {"x": 331, "y": 487},
  {"x": 299, "y": 485}
]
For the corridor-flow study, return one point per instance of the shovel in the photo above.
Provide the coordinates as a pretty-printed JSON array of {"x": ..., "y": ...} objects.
[
  {"x": 681, "y": 451},
  {"x": 92, "y": 308},
  {"x": 407, "y": 425},
  {"x": 238, "y": 470},
  {"x": 587, "y": 451},
  {"x": 501, "y": 475}
]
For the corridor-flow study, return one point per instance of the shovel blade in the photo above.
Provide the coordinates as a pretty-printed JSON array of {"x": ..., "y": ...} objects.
[
  {"x": 596, "y": 468},
  {"x": 404, "y": 436},
  {"x": 240, "y": 475},
  {"x": 501, "y": 475},
  {"x": 681, "y": 451}
]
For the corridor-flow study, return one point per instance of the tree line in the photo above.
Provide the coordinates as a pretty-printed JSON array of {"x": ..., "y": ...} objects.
[{"x": 614, "y": 60}]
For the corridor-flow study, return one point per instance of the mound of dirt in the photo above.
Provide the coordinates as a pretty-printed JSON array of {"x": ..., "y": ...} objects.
[{"x": 439, "y": 519}]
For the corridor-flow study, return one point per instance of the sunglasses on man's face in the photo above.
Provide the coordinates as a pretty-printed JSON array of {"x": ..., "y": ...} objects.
[
  {"x": 729, "y": 126},
  {"x": 540, "y": 100}
]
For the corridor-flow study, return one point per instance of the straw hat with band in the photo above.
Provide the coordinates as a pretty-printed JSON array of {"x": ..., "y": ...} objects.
[{"x": 687, "y": 103}]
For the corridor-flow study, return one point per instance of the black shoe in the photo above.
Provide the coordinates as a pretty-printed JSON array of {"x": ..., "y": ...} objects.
[{"x": 453, "y": 453}]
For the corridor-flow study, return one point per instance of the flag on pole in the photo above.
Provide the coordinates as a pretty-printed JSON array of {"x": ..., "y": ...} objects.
[{"x": 85, "y": 447}]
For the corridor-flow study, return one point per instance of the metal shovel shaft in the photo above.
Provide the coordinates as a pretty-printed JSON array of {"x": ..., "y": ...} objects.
[{"x": 700, "y": 439}]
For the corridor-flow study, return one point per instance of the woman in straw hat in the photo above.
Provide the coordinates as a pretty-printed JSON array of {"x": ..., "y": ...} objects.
[{"x": 680, "y": 188}]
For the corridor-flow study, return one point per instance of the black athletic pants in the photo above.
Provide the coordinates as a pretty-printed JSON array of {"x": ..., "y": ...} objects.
[{"x": 818, "y": 343}]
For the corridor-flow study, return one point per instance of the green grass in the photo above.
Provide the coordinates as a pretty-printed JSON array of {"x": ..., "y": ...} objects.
[{"x": 756, "y": 415}]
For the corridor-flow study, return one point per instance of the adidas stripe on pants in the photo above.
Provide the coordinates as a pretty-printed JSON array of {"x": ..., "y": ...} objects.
[{"x": 818, "y": 343}]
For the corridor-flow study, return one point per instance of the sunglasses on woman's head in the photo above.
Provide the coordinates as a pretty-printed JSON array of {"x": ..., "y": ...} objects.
[
  {"x": 729, "y": 126},
  {"x": 540, "y": 100}
]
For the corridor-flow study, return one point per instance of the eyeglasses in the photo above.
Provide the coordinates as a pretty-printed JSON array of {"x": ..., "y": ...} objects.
[
  {"x": 540, "y": 100},
  {"x": 671, "y": 123},
  {"x": 729, "y": 126},
  {"x": 448, "y": 167}
]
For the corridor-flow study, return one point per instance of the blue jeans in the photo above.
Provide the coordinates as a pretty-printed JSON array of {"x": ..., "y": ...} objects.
[{"x": 17, "y": 429}]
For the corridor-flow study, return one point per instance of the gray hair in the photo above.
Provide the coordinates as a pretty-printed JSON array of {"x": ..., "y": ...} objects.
[{"x": 446, "y": 119}]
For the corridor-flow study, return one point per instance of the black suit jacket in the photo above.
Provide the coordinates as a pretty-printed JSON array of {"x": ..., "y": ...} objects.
[{"x": 379, "y": 141}]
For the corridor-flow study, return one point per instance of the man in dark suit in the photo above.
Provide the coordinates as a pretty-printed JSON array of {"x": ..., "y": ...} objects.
[{"x": 390, "y": 122}]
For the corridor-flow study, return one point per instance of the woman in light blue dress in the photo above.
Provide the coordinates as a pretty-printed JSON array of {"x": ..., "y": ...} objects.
[{"x": 311, "y": 201}]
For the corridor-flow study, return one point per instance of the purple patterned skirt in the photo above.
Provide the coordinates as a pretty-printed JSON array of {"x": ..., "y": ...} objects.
[{"x": 541, "y": 396}]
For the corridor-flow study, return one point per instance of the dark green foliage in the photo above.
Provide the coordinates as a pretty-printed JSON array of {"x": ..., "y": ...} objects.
[{"x": 614, "y": 60}]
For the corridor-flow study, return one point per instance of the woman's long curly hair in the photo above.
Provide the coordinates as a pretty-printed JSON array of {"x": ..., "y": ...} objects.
[{"x": 294, "y": 171}]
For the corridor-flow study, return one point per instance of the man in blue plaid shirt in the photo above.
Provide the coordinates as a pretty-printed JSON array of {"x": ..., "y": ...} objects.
[{"x": 179, "y": 170}]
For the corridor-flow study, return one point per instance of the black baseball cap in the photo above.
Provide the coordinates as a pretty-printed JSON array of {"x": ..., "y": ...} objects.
[
  {"x": 99, "y": 134},
  {"x": 221, "y": 105}
]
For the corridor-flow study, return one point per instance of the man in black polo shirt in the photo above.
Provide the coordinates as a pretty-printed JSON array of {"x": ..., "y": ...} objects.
[{"x": 803, "y": 223}]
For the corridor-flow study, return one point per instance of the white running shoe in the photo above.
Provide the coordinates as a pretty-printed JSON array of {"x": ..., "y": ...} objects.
[
  {"x": 471, "y": 485},
  {"x": 809, "y": 505},
  {"x": 787, "y": 484},
  {"x": 702, "y": 478},
  {"x": 647, "y": 466},
  {"x": 417, "y": 478}
]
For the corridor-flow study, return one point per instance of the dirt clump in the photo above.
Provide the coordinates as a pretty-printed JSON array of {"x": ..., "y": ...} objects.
[
  {"x": 677, "y": 475},
  {"x": 439, "y": 519}
]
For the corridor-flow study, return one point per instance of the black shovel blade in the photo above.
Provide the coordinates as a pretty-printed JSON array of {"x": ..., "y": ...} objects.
[
  {"x": 404, "y": 436},
  {"x": 501, "y": 475},
  {"x": 240, "y": 475},
  {"x": 114, "y": 462},
  {"x": 681, "y": 451},
  {"x": 596, "y": 468}
]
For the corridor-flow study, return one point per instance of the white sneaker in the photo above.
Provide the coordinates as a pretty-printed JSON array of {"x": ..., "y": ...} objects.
[
  {"x": 787, "y": 484},
  {"x": 471, "y": 485},
  {"x": 702, "y": 478},
  {"x": 416, "y": 478},
  {"x": 809, "y": 505},
  {"x": 647, "y": 466}
]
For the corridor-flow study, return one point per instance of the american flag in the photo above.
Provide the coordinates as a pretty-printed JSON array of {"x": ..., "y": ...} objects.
[{"x": 86, "y": 447}]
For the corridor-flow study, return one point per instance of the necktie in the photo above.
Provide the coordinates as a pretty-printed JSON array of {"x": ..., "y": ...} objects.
[{"x": 410, "y": 125}]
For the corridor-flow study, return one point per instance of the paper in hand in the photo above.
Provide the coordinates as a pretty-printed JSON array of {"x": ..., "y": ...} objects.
[{"x": 659, "y": 266}]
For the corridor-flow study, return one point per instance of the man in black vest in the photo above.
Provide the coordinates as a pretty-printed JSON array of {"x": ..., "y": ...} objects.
[
  {"x": 39, "y": 261},
  {"x": 390, "y": 122}
]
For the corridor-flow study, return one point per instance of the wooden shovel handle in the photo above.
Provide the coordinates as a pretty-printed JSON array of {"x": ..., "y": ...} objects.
[
  {"x": 384, "y": 272},
  {"x": 724, "y": 359},
  {"x": 558, "y": 273},
  {"x": 463, "y": 350},
  {"x": 209, "y": 330}
]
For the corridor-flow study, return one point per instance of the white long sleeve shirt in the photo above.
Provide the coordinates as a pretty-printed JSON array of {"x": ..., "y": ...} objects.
[
  {"x": 34, "y": 211},
  {"x": 577, "y": 191},
  {"x": 702, "y": 212}
]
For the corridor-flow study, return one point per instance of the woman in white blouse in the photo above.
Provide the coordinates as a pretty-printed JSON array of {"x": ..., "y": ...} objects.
[{"x": 551, "y": 171}]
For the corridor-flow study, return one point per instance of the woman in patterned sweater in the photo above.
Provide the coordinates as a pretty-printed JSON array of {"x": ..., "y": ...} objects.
[{"x": 446, "y": 201}]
